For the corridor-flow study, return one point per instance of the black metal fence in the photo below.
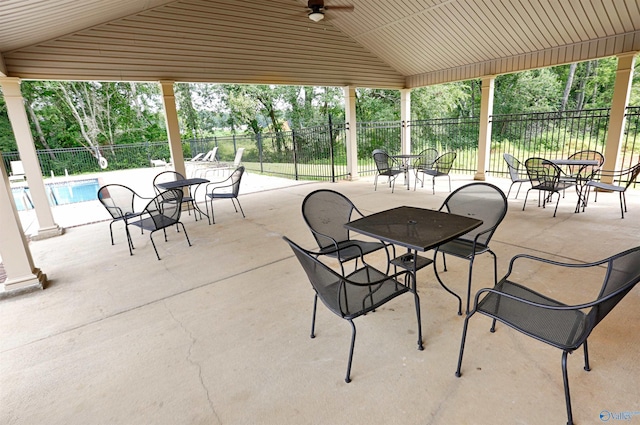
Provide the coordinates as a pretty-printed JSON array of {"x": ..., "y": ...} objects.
[
  {"x": 319, "y": 153},
  {"x": 546, "y": 135},
  {"x": 449, "y": 134}
]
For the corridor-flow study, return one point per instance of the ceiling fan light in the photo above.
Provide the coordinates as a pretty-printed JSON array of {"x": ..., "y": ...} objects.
[{"x": 316, "y": 16}]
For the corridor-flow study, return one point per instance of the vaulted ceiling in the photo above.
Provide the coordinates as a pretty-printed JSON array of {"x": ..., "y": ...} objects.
[{"x": 381, "y": 43}]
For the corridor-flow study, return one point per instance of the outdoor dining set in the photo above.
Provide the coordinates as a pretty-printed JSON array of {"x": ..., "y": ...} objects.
[
  {"x": 173, "y": 192},
  {"x": 582, "y": 170},
  {"x": 342, "y": 275}
]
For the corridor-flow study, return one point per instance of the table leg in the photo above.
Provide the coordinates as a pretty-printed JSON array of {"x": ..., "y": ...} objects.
[{"x": 414, "y": 274}]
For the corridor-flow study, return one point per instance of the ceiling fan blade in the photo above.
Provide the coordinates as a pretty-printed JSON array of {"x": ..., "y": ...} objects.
[{"x": 347, "y": 8}]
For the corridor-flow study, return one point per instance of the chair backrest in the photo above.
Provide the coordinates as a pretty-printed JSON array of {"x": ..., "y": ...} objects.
[
  {"x": 543, "y": 173},
  {"x": 482, "y": 201},
  {"x": 325, "y": 212},
  {"x": 211, "y": 155},
  {"x": 629, "y": 176},
  {"x": 587, "y": 170},
  {"x": 426, "y": 158},
  {"x": 197, "y": 157},
  {"x": 164, "y": 177},
  {"x": 236, "y": 177},
  {"x": 623, "y": 272},
  {"x": 516, "y": 169},
  {"x": 332, "y": 288},
  {"x": 165, "y": 208},
  {"x": 238, "y": 159},
  {"x": 325, "y": 281},
  {"x": 383, "y": 160},
  {"x": 444, "y": 162},
  {"x": 118, "y": 199}
]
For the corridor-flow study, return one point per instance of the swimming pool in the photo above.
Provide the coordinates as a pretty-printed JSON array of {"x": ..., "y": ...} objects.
[{"x": 60, "y": 193}]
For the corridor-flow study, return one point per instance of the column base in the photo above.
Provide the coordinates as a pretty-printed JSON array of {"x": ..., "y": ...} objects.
[
  {"x": 480, "y": 176},
  {"x": 47, "y": 232},
  {"x": 22, "y": 285}
]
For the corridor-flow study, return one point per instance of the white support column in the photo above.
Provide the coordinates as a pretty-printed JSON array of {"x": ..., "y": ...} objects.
[
  {"x": 173, "y": 127},
  {"x": 20, "y": 124},
  {"x": 484, "y": 140},
  {"x": 621, "y": 91},
  {"x": 3, "y": 67},
  {"x": 352, "y": 134},
  {"x": 405, "y": 117},
  {"x": 22, "y": 275}
]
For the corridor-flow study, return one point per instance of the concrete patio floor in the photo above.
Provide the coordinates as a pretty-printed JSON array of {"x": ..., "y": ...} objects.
[{"x": 218, "y": 333}]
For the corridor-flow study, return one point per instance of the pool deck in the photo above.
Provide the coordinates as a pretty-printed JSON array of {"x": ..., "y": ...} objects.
[{"x": 140, "y": 180}]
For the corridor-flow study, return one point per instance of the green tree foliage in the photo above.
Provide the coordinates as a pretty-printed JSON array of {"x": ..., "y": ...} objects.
[
  {"x": 92, "y": 114},
  {"x": 100, "y": 114},
  {"x": 537, "y": 90},
  {"x": 451, "y": 100},
  {"x": 7, "y": 140},
  {"x": 377, "y": 105}
]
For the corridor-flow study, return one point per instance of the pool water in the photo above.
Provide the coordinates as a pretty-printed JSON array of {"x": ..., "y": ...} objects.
[{"x": 61, "y": 193}]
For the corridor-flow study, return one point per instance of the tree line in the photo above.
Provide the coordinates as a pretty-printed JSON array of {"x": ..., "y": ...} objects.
[{"x": 67, "y": 114}]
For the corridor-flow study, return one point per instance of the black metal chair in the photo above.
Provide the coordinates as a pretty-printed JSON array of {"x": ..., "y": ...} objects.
[
  {"x": 170, "y": 176},
  {"x": 425, "y": 161},
  {"x": 228, "y": 188},
  {"x": 553, "y": 322},
  {"x": 353, "y": 295},
  {"x": 123, "y": 204},
  {"x": 482, "y": 201},
  {"x": 386, "y": 166},
  {"x": 517, "y": 172},
  {"x": 624, "y": 179},
  {"x": 441, "y": 167},
  {"x": 544, "y": 176},
  {"x": 582, "y": 171},
  {"x": 163, "y": 211},
  {"x": 325, "y": 212}
]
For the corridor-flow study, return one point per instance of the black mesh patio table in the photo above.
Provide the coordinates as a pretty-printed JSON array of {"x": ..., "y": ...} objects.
[{"x": 417, "y": 229}]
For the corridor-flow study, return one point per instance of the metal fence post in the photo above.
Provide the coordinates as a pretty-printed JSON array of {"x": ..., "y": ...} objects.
[
  {"x": 331, "y": 151},
  {"x": 295, "y": 154}
]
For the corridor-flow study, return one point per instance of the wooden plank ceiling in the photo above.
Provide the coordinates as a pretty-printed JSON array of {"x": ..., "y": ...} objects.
[{"x": 381, "y": 43}]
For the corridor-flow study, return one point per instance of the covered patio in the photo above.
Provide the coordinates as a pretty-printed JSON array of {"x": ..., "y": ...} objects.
[{"x": 218, "y": 333}]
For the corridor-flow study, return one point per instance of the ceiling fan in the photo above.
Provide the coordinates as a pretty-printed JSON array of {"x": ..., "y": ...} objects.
[{"x": 317, "y": 9}]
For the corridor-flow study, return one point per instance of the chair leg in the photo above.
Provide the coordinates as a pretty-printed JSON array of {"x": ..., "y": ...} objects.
[
  {"x": 375, "y": 183},
  {"x": 417, "y": 301},
  {"x": 567, "y": 397},
  {"x": 469, "y": 282},
  {"x": 154, "y": 244},
  {"x": 185, "y": 232},
  {"x": 238, "y": 201},
  {"x": 509, "y": 191},
  {"x": 129, "y": 240},
  {"x": 353, "y": 343},
  {"x": 464, "y": 337},
  {"x": 435, "y": 271},
  {"x": 111, "y": 232},
  {"x": 518, "y": 192},
  {"x": 525, "y": 199},
  {"x": 313, "y": 318},
  {"x": 623, "y": 201},
  {"x": 213, "y": 219},
  {"x": 586, "y": 357},
  {"x": 557, "y": 202}
]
